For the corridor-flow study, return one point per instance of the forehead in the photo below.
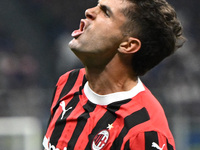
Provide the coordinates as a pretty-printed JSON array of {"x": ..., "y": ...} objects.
[{"x": 115, "y": 5}]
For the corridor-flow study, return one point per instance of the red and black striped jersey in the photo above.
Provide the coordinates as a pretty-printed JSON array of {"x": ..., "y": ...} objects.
[{"x": 78, "y": 122}]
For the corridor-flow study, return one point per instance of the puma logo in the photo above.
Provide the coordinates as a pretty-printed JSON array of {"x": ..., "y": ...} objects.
[
  {"x": 156, "y": 146},
  {"x": 48, "y": 146},
  {"x": 62, "y": 104}
]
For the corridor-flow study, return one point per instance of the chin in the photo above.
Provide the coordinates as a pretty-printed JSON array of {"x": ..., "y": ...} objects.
[{"x": 73, "y": 44}]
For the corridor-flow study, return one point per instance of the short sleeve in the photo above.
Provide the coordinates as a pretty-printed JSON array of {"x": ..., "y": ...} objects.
[{"x": 151, "y": 140}]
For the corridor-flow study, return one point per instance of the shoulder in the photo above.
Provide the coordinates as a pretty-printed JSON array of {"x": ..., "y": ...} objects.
[
  {"x": 157, "y": 118},
  {"x": 69, "y": 82},
  {"x": 71, "y": 75},
  {"x": 155, "y": 110}
]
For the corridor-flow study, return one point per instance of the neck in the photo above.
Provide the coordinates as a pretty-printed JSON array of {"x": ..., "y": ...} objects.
[{"x": 111, "y": 79}]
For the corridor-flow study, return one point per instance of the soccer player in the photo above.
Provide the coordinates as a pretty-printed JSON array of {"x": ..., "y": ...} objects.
[{"x": 105, "y": 105}]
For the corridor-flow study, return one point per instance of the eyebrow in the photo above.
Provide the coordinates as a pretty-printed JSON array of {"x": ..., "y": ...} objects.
[{"x": 105, "y": 8}]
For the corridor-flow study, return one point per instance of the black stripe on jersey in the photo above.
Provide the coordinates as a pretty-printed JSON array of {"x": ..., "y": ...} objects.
[
  {"x": 83, "y": 83},
  {"x": 151, "y": 138},
  {"x": 81, "y": 122},
  {"x": 169, "y": 146},
  {"x": 70, "y": 82},
  {"x": 126, "y": 147},
  {"x": 130, "y": 121},
  {"x": 54, "y": 93},
  {"x": 51, "y": 104},
  {"x": 113, "y": 107},
  {"x": 60, "y": 124},
  {"x": 108, "y": 118},
  {"x": 89, "y": 106},
  {"x": 68, "y": 86}
]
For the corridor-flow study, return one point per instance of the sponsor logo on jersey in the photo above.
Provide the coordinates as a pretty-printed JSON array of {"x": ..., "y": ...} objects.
[
  {"x": 100, "y": 140},
  {"x": 62, "y": 104}
]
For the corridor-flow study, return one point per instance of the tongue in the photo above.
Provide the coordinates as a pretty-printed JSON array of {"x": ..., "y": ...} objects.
[{"x": 77, "y": 33}]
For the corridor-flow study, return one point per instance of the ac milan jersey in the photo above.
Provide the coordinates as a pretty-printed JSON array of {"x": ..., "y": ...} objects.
[{"x": 83, "y": 120}]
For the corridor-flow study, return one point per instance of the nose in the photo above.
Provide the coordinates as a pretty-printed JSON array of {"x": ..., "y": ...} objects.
[{"x": 90, "y": 13}]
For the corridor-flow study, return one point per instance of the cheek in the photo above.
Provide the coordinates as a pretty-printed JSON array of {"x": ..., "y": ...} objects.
[
  {"x": 106, "y": 35},
  {"x": 100, "y": 36}
]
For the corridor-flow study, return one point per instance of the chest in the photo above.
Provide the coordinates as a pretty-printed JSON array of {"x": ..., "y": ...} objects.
[{"x": 83, "y": 125}]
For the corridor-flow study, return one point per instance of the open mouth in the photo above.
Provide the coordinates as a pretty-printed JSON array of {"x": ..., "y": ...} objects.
[
  {"x": 77, "y": 33},
  {"x": 82, "y": 25}
]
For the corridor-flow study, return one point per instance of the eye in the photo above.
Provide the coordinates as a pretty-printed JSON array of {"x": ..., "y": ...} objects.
[{"x": 105, "y": 10}]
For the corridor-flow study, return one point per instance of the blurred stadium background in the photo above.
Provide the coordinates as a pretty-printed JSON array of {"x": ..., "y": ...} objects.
[{"x": 34, "y": 52}]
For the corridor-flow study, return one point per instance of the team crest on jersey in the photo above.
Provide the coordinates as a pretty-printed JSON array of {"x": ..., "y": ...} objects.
[{"x": 100, "y": 140}]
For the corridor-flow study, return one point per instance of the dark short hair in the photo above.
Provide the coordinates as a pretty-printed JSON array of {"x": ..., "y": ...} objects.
[{"x": 155, "y": 24}]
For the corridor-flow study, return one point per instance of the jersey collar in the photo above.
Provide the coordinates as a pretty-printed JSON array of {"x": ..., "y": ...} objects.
[{"x": 113, "y": 97}]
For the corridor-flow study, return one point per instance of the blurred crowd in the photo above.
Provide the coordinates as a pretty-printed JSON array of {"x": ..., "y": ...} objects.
[{"x": 34, "y": 36}]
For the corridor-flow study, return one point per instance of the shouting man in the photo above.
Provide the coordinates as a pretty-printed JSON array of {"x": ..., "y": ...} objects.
[{"x": 105, "y": 106}]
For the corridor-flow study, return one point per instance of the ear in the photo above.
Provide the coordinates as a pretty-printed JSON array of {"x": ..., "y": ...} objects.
[{"x": 132, "y": 45}]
